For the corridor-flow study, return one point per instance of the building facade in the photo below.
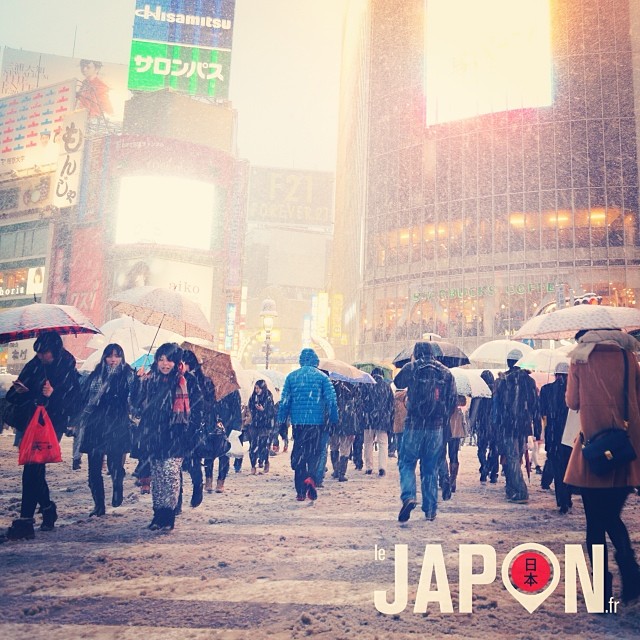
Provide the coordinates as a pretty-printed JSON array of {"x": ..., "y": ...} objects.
[{"x": 472, "y": 223}]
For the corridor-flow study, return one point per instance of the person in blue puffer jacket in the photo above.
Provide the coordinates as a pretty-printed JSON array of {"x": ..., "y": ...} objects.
[{"x": 308, "y": 398}]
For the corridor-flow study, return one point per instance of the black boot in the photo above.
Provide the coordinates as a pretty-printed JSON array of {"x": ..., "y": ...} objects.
[
  {"x": 21, "y": 529},
  {"x": 97, "y": 493},
  {"x": 629, "y": 574},
  {"x": 49, "y": 517},
  {"x": 342, "y": 469},
  {"x": 445, "y": 485},
  {"x": 168, "y": 520},
  {"x": 178, "y": 510},
  {"x": 118, "y": 494},
  {"x": 196, "y": 498},
  {"x": 335, "y": 457},
  {"x": 454, "y": 475},
  {"x": 155, "y": 522}
]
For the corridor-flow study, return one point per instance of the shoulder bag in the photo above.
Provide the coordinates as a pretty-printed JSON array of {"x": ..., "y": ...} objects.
[{"x": 611, "y": 448}]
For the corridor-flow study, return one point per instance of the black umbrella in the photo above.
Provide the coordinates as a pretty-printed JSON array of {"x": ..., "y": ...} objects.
[{"x": 446, "y": 352}]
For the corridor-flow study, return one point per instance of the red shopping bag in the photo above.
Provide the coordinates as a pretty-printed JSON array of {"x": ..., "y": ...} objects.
[{"x": 39, "y": 444}]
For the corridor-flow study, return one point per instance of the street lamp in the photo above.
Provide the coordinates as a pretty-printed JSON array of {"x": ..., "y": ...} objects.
[{"x": 268, "y": 314}]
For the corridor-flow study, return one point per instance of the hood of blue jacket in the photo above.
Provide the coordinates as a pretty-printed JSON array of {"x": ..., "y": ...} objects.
[{"x": 308, "y": 357}]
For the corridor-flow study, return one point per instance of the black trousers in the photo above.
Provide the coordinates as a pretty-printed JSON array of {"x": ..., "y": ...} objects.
[
  {"x": 305, "y": 454},
  {"x": 488, "y": 456},
  {"x": 559, "y": 459},
  {"x": 35, "y": 490},
  {"x": 603, "y": 508},
  {"x": 96, "y": 483}
]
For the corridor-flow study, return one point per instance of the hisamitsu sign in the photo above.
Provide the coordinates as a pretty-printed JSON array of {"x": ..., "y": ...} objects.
[{"x": 184, "y": 45}]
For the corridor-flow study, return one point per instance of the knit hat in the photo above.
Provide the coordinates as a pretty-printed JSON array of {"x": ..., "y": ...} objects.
[
  {"x": 514, "y": 354},
  {"x": 562, "y": 367}
]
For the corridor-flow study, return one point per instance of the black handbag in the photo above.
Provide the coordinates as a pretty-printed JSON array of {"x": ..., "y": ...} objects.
[
  {"x": 610, "y": 448},
  {"x": 212, "y": 442}
]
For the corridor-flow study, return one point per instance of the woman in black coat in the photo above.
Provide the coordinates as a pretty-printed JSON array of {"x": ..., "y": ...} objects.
[
  {"x": 105, "y": 424},
  {"x": 262, "y": 415},
  {"x": 168, "y": 403},
  {"x": 49, "y": 379}
]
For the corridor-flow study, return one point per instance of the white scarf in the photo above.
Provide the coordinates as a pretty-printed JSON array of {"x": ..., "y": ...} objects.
[{"x": 587, "y": 343}]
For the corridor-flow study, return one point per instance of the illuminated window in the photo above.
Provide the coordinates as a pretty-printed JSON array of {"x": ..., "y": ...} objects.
[{"x": 486, "y": 57}]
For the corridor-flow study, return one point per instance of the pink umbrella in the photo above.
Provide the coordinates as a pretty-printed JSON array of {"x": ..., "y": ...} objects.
[{"x": 20, "y": 323}]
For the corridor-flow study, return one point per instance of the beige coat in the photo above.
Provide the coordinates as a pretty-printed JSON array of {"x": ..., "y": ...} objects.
[
  {"x": 595, "y": 389},
  {"x": 400, "y": 401}
]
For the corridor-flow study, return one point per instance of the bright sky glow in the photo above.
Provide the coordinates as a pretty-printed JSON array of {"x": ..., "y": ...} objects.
[
  {"x": 165, "y": 210},
  {"x": 486, "y": 57}
]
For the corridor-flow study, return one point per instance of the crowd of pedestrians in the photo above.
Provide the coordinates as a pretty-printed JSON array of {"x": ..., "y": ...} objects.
[{"x": 171, "y": 422}]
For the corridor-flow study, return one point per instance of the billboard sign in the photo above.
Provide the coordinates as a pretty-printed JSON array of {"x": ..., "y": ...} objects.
[
  {"x": 69, "y": 169},
  {"x": 291, "y": 196},
  {"x": 101, "y": 87},
  {"x": 30, "y": 124},
  {"x": 184, "y": 45}
]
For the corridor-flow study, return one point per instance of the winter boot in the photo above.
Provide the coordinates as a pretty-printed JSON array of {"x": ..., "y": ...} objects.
[
  {"x": 97, "y": 493},
  {"x": 266, "y": 467},
  {"x": 145, "y": 485},
  {"x": 49, "y": 517},
  {"x": 208, "y": 485},
  {"x": 335, "y": 458},
  {"x": 630, "y": 575},
  {"x": 167, "y": 519},
  {"x": 155, "y": 522},
  {"x": 453, "y": 474},
  {"x": 220, "y": 486},
  {"x": 445, "y": 485},
  {"x": 196, "y": 498},
  {"x": 286, "y": 447},
  {"x": 21, "y": 529},
  {"x": 344, "y": 461},
  {"x": 118, "y": 493}
]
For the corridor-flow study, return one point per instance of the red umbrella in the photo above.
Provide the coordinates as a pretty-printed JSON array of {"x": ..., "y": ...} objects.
[{"x": 20, "y": 323}]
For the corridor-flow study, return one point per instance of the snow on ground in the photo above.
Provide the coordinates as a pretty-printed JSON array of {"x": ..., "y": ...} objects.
[{"x": 254, "y": 563}]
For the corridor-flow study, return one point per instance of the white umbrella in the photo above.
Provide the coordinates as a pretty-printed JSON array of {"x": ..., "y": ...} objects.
[
  {"x": 544, "y": 360},
  {"x": 565, "y": 323},
  {"x": 339, "y": 370},
  {"x": 247, "y": 379},
  {"x": 469, "y": 382},
  {"x": 163, "y": 308},
  {"x": 133, "y": 336},
  {"x": 495, "y": 352}
]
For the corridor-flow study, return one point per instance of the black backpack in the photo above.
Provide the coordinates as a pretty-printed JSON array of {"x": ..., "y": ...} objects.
[{"x": 428, "y": 393}]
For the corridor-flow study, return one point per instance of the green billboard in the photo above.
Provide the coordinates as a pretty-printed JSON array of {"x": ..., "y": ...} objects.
[{"x": 192, "y": 70}]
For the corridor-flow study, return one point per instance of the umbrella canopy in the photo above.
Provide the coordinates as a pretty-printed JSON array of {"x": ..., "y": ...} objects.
[
  {"x": 163, "y": 308},
  {"x": 339, "y": 370},
  {"x": 565, "y": 323},
  {"x": 470, "y": 383},
  {"x": 494, "y": 352},
  {"x": 133, "y": 336},
  {"x": 276, "y": 377},
  {"x": 370, "y": 366},
  {"x": 143, "y": 362},
  {"x": 217, "y": 366},
  {"x": 20, "y": 323},
  {"x": 248, "y": 379},
  {"x": 544, "y": 360},
  {"x": 449, "y": 354}
]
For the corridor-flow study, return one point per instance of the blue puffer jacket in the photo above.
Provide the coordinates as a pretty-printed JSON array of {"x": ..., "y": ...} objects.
[{"x": 308, "y": 395}]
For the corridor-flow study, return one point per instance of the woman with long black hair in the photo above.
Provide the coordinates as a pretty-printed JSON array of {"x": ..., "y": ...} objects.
[
  {"x": 105, "y": 424},
  {"x": 262, "y": 414},
  {"x": 168, "y": 402}
]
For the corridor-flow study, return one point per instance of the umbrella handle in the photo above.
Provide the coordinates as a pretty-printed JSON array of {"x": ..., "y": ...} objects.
[{"x": 154, "y": 337}]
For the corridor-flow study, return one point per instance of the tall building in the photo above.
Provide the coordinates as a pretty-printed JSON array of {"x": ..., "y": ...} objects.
[{"x": 496, "y": 170}]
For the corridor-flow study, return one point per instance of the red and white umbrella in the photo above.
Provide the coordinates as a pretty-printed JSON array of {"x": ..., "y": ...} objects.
[
  {"x": 20, "y": 323},
  {"x": 565, "y": 323},
  {"x": 163, "y": 308}
]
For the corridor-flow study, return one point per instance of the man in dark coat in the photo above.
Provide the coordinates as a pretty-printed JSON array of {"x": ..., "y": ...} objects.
[
  {"x": 481, "y": 423},
  {"x": 516, "y": 414},
  {"x": 422, "y": 439},
  {"x": 378, "y": 409},
  {"x": 342, "y": 434},
  {"x": 50, "y": 379},
  {"x": 553, "y": 410}
]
